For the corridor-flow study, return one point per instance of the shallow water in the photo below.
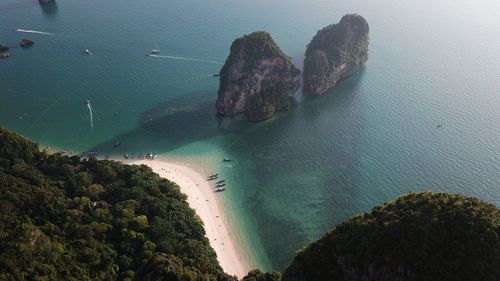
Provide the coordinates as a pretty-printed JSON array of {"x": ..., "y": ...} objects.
[{"x": 294, "y": 177}]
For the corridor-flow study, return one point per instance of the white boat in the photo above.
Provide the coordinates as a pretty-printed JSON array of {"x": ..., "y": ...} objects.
[
  {"x": 87, "y": 52},
  {"x": 156, "y": 50}
]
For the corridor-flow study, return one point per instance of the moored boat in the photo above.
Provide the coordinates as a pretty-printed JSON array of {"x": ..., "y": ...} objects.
[{"x": 213, "y": 177}]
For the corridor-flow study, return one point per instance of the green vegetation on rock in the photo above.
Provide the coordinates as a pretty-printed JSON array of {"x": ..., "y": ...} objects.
[
  {"x": 257, "y": 275},
  {"x": 334, "y": 53},
  {"x": 63, "y": 218},
  {"x": 419, "y": 236},
  {"x": 258, "y": 45},
  {"x": 257, "y": 79}
]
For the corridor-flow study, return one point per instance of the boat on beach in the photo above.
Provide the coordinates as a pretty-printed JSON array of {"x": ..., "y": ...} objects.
[
  {"x": 220, "y": 189},
  {"x": 220, "y": 185},
  {"x": 213, "y": 177}
]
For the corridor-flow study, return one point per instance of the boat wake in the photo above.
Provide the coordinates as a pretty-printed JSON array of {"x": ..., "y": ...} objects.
[
  {"x": 91, "y": 117},
  {"x": 33, "y": 31},
  {"x": 185, "y": 58}
]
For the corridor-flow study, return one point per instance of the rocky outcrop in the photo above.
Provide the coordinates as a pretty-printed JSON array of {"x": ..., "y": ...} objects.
[
  {"x": 335, "y": 52},
  {"x": 4, "y": 52},
  {"x": 26, "y": 43},
  {"x": 257, "y": 79}
]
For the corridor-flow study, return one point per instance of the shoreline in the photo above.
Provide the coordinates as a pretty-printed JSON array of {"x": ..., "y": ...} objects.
[{"x": 207, "y": 205}]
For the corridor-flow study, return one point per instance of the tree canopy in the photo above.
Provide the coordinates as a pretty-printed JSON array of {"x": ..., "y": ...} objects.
[
  {"x": 419, "y": 236},
  {"x": 65, "y": 218}
]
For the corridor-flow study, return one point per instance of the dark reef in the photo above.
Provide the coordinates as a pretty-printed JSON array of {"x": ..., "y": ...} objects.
[
  {"x": 26, "y": 43},
  {"x": 4, "y": 52}
]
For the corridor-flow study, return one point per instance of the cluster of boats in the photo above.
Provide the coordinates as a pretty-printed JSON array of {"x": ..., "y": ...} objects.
[
  {"x": 89, "y": 154},
  {"x": 219, "y": 185},
  {"x": 149, "y": 156}
]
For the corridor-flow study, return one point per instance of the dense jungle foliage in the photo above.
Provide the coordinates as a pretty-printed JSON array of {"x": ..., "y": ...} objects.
[
  {"x": 419, "y": 236},
  {"x": 66, "y": 218}
]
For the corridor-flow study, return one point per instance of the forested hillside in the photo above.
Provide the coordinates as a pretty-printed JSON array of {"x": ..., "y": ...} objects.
[{"x": 63, "y": 218}]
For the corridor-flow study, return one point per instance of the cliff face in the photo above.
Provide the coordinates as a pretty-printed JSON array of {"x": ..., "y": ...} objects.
[
  {"x": 419, "y": 236},
  {"x": 334, "y": 53},
  {"x": 257, "y": 79}
]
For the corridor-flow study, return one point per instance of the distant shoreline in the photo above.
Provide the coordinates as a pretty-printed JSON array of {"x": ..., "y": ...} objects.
[{"x": 204, "y": 201}]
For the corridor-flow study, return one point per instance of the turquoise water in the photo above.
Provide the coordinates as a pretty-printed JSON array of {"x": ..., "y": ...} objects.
[{"x": 294, "y": 177}]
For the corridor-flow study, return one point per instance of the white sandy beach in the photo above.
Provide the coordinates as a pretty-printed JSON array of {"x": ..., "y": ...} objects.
[{"x": 208, "y": 207}]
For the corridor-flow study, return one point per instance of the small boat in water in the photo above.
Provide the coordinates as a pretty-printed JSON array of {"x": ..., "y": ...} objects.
[
  {"x": 216, "y": 74},
  {"x": 126, "y": 156},
  {"x": 155, "y": 50},
  {"x": 221, "y": 181},
  {"x": 87, "y": 52},
  {"x": 117, "y": 144},
  {"x": 87, "y": 102},
  {"x": 220, "y": 189},
  {"x": 439, "y": 125},
  {"x": 220, "y": 185},
  {"x": 227, "y": 160}
]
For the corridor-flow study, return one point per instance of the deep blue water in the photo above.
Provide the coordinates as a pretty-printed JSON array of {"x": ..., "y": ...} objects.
[{"x": 369, "y": 140}]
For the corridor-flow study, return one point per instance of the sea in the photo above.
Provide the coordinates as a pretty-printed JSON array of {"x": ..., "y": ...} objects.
[{"x": 423, "y": 114}]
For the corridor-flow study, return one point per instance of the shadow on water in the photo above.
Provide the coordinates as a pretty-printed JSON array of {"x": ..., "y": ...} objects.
[
  {"x": 305, "y": 169},
  {"x": 49, "y": 9},
  {"x": 311, "y": 151},
  {"x": 172, "y": 124}
]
